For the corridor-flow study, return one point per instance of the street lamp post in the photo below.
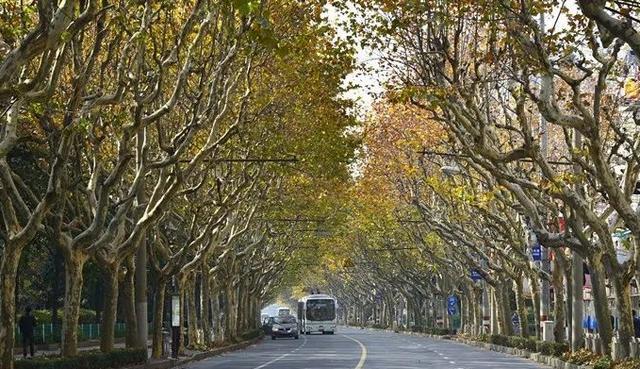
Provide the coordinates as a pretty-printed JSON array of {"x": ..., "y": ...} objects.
[{"x": 175, "y": 322}]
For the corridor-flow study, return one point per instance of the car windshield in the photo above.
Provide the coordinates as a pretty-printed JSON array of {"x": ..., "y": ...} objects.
[
  {"x": 321, "y": 309},
  {"x": 285, "y": 320}
]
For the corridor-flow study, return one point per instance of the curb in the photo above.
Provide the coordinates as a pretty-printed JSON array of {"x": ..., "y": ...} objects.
[
  {"x": 172, "y": 363},
  {"x": 551, "y": 361}
]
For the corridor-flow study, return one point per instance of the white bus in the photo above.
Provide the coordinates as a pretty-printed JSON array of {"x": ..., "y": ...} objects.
[{"x": 317, "y": 313}]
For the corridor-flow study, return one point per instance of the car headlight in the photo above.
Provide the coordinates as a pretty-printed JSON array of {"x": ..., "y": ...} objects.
[{"x": 275, "y": 328}]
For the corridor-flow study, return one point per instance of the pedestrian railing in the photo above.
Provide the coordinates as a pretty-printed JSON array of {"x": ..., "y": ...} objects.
[{"x": 52, "y": 333}]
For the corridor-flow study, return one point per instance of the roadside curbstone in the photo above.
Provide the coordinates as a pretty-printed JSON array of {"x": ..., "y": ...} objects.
[{"x": 172, "y": 363}]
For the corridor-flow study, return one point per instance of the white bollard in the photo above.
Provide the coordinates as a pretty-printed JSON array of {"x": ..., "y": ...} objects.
[
  {"x": 588, "y": 338},
  {"x": 633, "y": 348},
  {"x": 615, "y": 348},
  {"x": 547, "y": 330},
  {"x": 596, "y": 344}
]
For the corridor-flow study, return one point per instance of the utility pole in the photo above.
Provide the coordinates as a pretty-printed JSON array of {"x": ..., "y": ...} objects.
[
  {"x": 577, "y": 272},
  {"x": 545, "y": 299},
  {"x": 141, "y": 258}
]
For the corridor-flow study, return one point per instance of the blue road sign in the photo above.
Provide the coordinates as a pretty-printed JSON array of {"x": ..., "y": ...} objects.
[
  {"x": 536, "y": 252},
  {"x": 452, "y": 305},
  {"x": 475, "y": 276}
]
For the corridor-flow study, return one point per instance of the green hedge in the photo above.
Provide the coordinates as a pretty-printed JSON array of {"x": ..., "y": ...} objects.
[
  {"x": 529, "y": 344},
  {"x": 87, "y": 360},
  {"x": 431, "y": 330},
  {"x": 86, "y": 316}
]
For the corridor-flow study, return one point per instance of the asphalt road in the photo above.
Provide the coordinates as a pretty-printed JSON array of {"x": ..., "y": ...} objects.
[{"x": 363, "y": 349}]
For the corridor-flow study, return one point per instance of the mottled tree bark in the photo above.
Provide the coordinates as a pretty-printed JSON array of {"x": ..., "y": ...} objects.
[
  {"x": 521, "y": 307},
  {"x": 622, "y": 289},
  {"x": 559, "y": 265},
  {"x": 8, "y": 272},
  {"x": 108, "y": 323},
  {"x": 128, "y": 302},
  {"x": 535, "y": 293},
  {"x": 190, "y": 291},
  {"x": 74, "y": 264},
  {"x": 601, "y": 307},
  {"x": 158, "y": 315},
  {"x": 206, "y": 305}
]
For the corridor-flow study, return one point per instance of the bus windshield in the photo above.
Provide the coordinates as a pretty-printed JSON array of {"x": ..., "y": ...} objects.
[{"x": 321, "y": 310}]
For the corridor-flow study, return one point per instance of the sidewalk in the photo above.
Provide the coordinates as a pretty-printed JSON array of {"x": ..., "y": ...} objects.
[
  {"x": 54, "y": 349},
  {"x": 165, "y": 363}
]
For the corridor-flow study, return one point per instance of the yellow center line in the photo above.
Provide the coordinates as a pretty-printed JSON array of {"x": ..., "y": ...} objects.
[{"x": 363, "y": 352}]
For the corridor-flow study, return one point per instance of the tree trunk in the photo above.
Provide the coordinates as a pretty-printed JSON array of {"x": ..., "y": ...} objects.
[
  {"x": 577, "y": 302},
  {"x": 206, "y": 305},
  {"x": 504, "y": 313},
  {"x": 190, "y": 292},
  {"x": 558, "y": 295},
  {"x": 522, "y": 308},
  {"x": 107, "y": 326},
  {"x": 465, "y": 313},
  {"x": 158, "y": 315},
  {"x": 486, "y": 306},
  {"x": 141, "y": 295},
  {"x": 241, "y": 309},
  {"x": 535, "y": 292},
  {"x": 128, "y": 302},
  {"x": 74, "y": 264},
  {"x": 231, "y": 311},
  {"x": 601, "y": 305},
  {"x": 8, "y": 272},
  {"x": 494, "y": 312},
  {"x": 218, "y": 333},
  {"x": 621, "y": 286}
]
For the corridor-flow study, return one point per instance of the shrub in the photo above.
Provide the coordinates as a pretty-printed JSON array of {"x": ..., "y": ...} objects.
[
  {"x": 627, "y": 364},
  {"x": 581, "y": 357},
  {"x": 603, "y": 363},
  {"x": 551, "y": 348},
  {"x": 42, "y": 316},
  {"x": 417, "y": 329},
  {"x": 529, "y": 344},
  {"x": 86, "y": 316},
  {"x": 499, "y": 339},
  {"x": 522, "y": 343},
  {"x": 87, "y": 360}
]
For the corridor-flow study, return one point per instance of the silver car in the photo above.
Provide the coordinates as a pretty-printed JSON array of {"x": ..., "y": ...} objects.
[{"x": 284, "y": 326}]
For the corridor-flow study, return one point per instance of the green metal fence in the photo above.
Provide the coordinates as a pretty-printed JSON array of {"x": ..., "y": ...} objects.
[{"x": 52, "y": 333}]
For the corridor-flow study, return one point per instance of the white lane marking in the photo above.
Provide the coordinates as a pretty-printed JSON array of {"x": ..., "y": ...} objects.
[
  {"x": 363, "y": 352},
  {"x": 452, "y": 362},
  {"x": 283, "y": 355}
]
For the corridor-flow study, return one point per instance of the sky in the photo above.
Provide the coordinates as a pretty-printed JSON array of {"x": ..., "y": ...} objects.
[{"x": 370, "y": 85}]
